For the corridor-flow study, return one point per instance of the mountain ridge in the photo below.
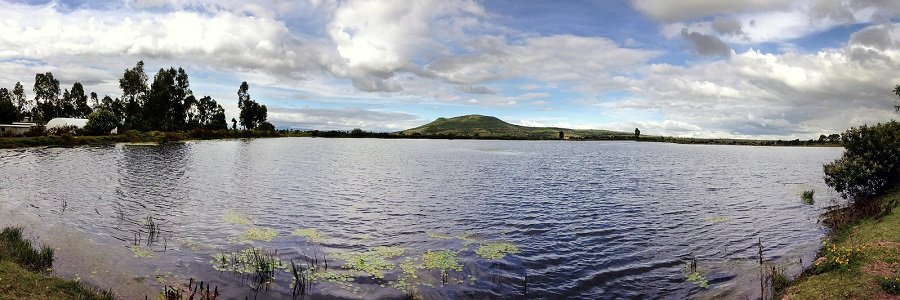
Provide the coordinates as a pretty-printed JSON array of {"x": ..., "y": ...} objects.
[{"x": 474, "y": 125}]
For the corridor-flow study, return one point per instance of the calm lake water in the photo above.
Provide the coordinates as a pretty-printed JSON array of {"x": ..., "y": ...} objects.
[{"x": 591, "y": 220}]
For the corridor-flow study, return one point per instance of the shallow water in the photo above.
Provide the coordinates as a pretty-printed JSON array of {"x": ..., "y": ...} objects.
[{"x": 591, "y": 219}]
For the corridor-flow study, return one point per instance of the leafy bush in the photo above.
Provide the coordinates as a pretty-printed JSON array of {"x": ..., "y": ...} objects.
[
  {"x": 266, "y": 126},
  {"x": 101, "y": 122},
  {"x": 64, "y": 130},
  {"x": 870, "y": 165}
]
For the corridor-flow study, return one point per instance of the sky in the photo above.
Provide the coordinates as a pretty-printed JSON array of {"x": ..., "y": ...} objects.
[{"x": 698, "y": 68}]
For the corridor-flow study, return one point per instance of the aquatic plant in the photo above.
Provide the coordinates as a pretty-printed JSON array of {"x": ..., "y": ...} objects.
[
  {"x": 373, "y": 262},
  {"x": 441, "y": 236},
  {"x": 693, "y": 275},
  {"x": 443, "y": 260},
  {"x": 253, "y": 261},
  {"x": 235, "y": 218},
  {"x": 807, "y": 197},
  {"x": 259, "y": 234},
  {"x": 194, "y": 291},
  {"x": 715, "y": 219},
  {"x": 496, "y": 250},
  {"x": 16, "y": 248},
  {"x": 311, "y": 234},
  {"x": 140, "y": 252},
  {"x": 467, "y": 238}
]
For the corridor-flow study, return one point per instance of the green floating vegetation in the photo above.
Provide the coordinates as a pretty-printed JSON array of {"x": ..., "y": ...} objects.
[
  {"x": 140, "y": 251},
  {"x": 443, "y": 260},
  {"x": 698, "y": 279},
  {"x": 496, "y": 250},
  {"x": 373, "y": 262},
  {"x": 259, "y": 234},
  {"x": 440, "y": 236},
  {"x": 467, "y": 238},
  {"x": 248, "y": 261},
  {"x": 715, "y": 219},
  {"x": 235, "y": 218},
  {"x": 311, "y": 234}
]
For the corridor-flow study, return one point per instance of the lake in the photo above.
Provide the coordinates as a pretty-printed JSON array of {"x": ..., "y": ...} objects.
[{"x": 594, "y": 220}]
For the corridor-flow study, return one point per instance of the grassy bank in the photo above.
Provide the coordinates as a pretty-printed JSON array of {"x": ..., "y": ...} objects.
[
  {"x": 860, "y": 261},
  {"x": 25, "y": 272},
  {"x": 68, "y": 140}
]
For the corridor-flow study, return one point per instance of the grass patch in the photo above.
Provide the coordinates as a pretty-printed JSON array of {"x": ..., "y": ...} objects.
[
  {"x": 16, "y": 248},
  {"x": 22, "y": 272},
  {"x": 855, "y": 262}
]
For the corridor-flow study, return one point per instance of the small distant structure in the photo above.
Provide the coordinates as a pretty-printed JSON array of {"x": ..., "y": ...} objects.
[
  {"x": 562, "y": 135},
  {"x": 64, "y": 122},
  {"x": 16, "y": 127}
]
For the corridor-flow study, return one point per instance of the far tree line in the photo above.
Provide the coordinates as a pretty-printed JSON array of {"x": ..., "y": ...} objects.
[{"x": 165, "y": 104}]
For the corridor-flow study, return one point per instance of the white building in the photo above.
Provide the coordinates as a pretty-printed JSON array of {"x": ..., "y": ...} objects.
[
  {"x": 16, "y": 127},
  {"x": 63, "y": 122}
]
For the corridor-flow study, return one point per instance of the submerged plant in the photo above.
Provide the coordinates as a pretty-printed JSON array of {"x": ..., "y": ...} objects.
[
  {"x": 139, "y": 251},
  {"x": 235, "y": 218},
  {"x": 496, "y": 250},
  {"x": 440, "y": 236},
  {"x": 715, "y": 219},
  {"x": 259, "y": 234},
  {"x": 311, "y": 234}
]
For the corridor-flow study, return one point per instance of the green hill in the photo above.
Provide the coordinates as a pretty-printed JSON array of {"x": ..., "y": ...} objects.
[{"x": 487, "y": 126}]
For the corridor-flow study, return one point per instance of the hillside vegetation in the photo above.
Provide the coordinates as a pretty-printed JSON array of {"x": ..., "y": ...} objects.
[{"x": 487, "y": 126}]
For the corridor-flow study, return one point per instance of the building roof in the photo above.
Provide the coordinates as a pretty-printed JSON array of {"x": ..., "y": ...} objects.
[{"x": 62, "y": 122}]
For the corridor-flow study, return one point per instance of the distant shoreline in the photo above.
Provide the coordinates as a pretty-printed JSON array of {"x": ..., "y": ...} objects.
[{"x": 164, "y": 137}]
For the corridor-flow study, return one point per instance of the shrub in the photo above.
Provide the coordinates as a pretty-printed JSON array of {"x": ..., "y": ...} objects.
[
  {"x": 890, "y": 284},
  {"x": 871, "y": 162},
  {"x": 266, "y": 126},
  {"x": 101, "y": 122},
  {"x": 64, "y": 130}
]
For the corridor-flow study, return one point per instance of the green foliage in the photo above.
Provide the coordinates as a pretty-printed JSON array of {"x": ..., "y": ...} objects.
[
  {"x": 266, "y": 126},
  {"x": 235, "y": 218},
  {"x": 496, "y": 250},
  {"x": 8, "y": 111},
  {"x": 698, "y": 279},
  {"x": 101, "y": 122},
  {"x": 807, "y": 196},
  {"x": 871, "y": 162},
  {"x": 14, "y": 247},
  {"x": 373, "y": 262},
  {"x": 890, "y": 284},
  {"x": 252, "y": 113},
  {"x": 443, "y": 260}
]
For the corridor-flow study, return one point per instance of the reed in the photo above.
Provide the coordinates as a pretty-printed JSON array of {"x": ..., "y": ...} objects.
[{"x": 194, "y": 291}]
